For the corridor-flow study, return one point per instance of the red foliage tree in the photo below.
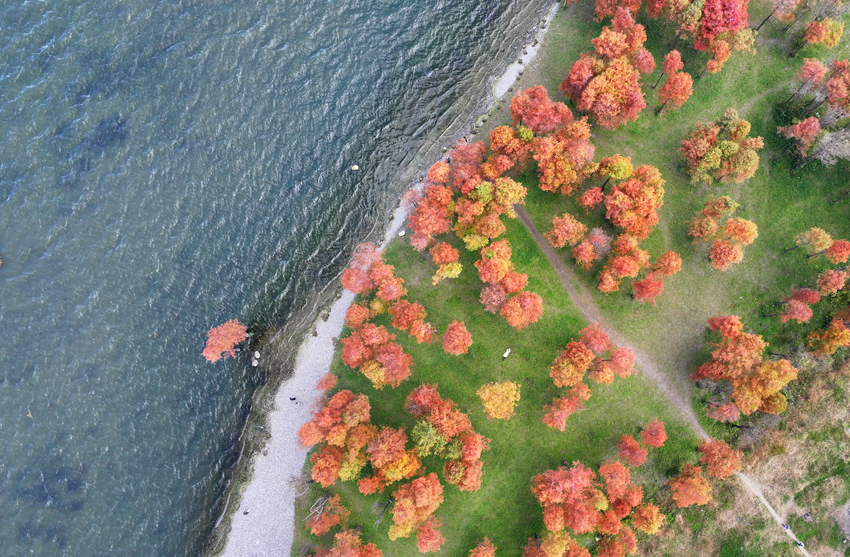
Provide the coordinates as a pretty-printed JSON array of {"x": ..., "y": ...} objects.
[
  {"x": 348, "y": 544},
  {"x": 566, "y": 230},
  {"x": 654, "y": 434},
  {"x": 838, "y": 252},
  {"x": 533, "y": 109},
  {"x": 457, "y": 339},
  {"x": 826, "y": 342},
  {"x": 720, "y": 459},
  {"x": 223, "y": 340},
  {"x": 493, "y": 296},
  {"x": 690, "y": 487},
  {"x": 428, "y": 537},
  {"x": 630, "y": 450},
  {"x": 633, "y": 204},
  {"x": 522, "y": 310},
  {"x": 722, "y": 151},
  {"x": 679, "y": 85},
  {"x": 668, "y": 264},
  {"x": 649, "y": 288},
  {"x": 804, "y": 133},
  {"x": 830, "y": 282},
  {"x": 415, "y": 502},
  {"x": 485, "y": 548},
  {"x": 329, "y": 514}
]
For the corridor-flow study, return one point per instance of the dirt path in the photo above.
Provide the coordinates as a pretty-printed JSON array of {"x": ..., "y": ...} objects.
[{"x": 675, "y": 391}]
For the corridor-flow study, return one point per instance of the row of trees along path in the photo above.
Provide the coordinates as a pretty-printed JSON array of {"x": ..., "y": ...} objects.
[{"x": 670, "y": 385}]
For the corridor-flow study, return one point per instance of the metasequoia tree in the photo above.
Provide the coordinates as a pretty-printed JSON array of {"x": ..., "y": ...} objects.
[
  {"x": 679, "y": 85},
  {"x": 813, "y": 241},
  {"x": 784, "y": 10},
  {"x": 446, "y": 257},
  {"x": 826, "y": 342},
  {"x": 343, "y": 428},
  {"x": 371, "y": 350},
  {"x": 522, "y": 310},
  {"x": 348, "y": 544},
  {"x": 654, "y": 434},
  {"x": 450, "y": 436},
  {"x": 414, "y": 504},
  {"x": 737, "y": 358},
  {"x": 499, "y": 399},
  {"x": 326, "y": 513},
  {"x": 457, "y": 339},
  {"x": 831, "y": 281},
  {"x": 566, "y": 230},
  {"x": 606, "y": 83},
  {"x": 720, "y": 459},
  {"x": 594, "y": 354},
  {"x": 811, "y": 76},
  {"x": 533, "y": 109},
  {"x": 722, "y": 151},
  {"x": 798, "y": 305},
  {"x": 729, "y": 238},
  {"x": 223, "y": 340},
  {"x": 485, "y": 548},
  {"x": 577, "y": 500},
  {"x": 690, "y": 487},
  {"x": 428, "y": 537},
  {"x": 390, "y": 460},
  {"x": 565, "y": 159},
  {"x": 804, "y": 134},
  {"x": 826, "y": 31},
  {"x": 631, "y": 451}
]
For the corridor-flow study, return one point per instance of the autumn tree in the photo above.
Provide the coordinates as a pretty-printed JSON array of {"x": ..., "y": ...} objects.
[
  {"x": 633, "y": 204},
  {"x": 348, "y": 544},
  {"x": 533, "y": 109},
  {"x": 720, "y": 459},
  {"x": 326, "y": 513},
  {"x": 390, "y": 459},
  {"x": 371, "y": 350},
  {"x": 737, "y": 358},
  {"x": 729, "y": 238},
  {"x": 343, "y": 428},
  {"x": 804, "y": 134},
  {"x": 457, "y": 339},
  {"x": 797, "y": 305},
  {"x": 485, "y": 548},
  {"x": 813, "y": 241},
  {"x": 722, "y": 151},
  {"x": 499, "y": 399},
  {"x": 414, "y": 504},
  {"x": 679, "y": 85},
  {"x": 648, "y": 518},
  {"x": 690, "y": 487},
  {"x": 591, "y": 354},
  {"x": 565, "y": 159},
  {"x": 223, "y": 340},
  {"x": 826, "y": 342},
  {"x": 631, "y": 451},
  {"x": 811, "y": 76},
  {"x": 428, "y": 537},
  {"x": 446, "y": 257},
  {"x": 654, "y": 434},
  {"x": 566, "y": 230},
  {"x": 522, "y": 310},
  {"x": 831, "y": 281}
]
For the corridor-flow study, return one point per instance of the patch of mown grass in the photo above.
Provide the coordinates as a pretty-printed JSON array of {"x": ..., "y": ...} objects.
[{"x": 504, "y": 509}]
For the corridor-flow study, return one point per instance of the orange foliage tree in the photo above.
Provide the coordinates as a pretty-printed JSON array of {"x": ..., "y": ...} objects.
[
  {"x": 448, "y": 432},
  {"x": 720, "y": 459},
  {"x": 326, "y": 513},
  {"x": 343, "y": 428},
  {"x": 348, "y": 544},
  {"x": 499, "y": 399},
  {"x": 826, "y": 342},
  {"x": 722, "y": 151},
  {"x": 593, "y": 354},
  {"x": 485, "y": 548},
  {"x": 729, "y": 238},
  {"x": 737, "y": 358},
  {"x": 414, "y": 503},
  {"x": 533, "y": 109},
  {"x": 223, "y": 340},
  {"x": 690, "y": 487},
  {"x": 679, "y": 85},
  {"x": 390, "y": 460},
  {"x": 457, "y": 339}
]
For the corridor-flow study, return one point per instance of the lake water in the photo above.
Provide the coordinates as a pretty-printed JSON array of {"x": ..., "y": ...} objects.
[{"x": 165, "y": 167}]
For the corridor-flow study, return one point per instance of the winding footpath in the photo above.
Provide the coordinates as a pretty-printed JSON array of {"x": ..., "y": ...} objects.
[{"x": 676, "y": 391}]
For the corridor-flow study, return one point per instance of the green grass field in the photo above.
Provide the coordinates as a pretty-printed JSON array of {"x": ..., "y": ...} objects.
[{"x": 671, "y": 332}]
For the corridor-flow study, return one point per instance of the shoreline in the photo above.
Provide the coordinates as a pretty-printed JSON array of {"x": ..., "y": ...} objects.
[{"x": 264, "y": 522}]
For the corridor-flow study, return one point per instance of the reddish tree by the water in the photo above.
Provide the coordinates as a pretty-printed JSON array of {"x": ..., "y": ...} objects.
[
  {"x": 720, "y": 459},
  {"x": 223, "y": 340},
  {"x": 566, "y": 230},
  {"x": 356, "y": 316},
  {"x": 415, "y": 502},
  {"x": 630, "y": 450},
  {"x": 830, "y": 282},
  {"x": 356, "y": 277},
  {"x": 327, "y": 382},
  {"x": 428, "y": 536},
  {"x": 533, "y": 109},
  {"x": 499, "y": 399},
  {"x": 485, "y": 548},
  {"x": 608, "y": 8},
  {"x": 804, "y": 133},
  {"x": 654, "y": 434},
  {"x": 690, "y": 487},
  {"x": 522, "y": 310},
  {"x": 826, "y": 342},
  {"x": 513, "y": 143},
  {"x": 348, "y": 544},
  {"x": 405, "y": 314},
  {"x": 331, "y": 513},
  {"x": 457, "y": 339}
]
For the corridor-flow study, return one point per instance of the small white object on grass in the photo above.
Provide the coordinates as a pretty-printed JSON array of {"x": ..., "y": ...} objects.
[
  {"x": 355, "y": 167},
  {"x": 506, "y": 354},
  {"x": 401, "y": 233},
  {"x": 255, "y": 363},
  {"x": 257, "y": 355}
]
